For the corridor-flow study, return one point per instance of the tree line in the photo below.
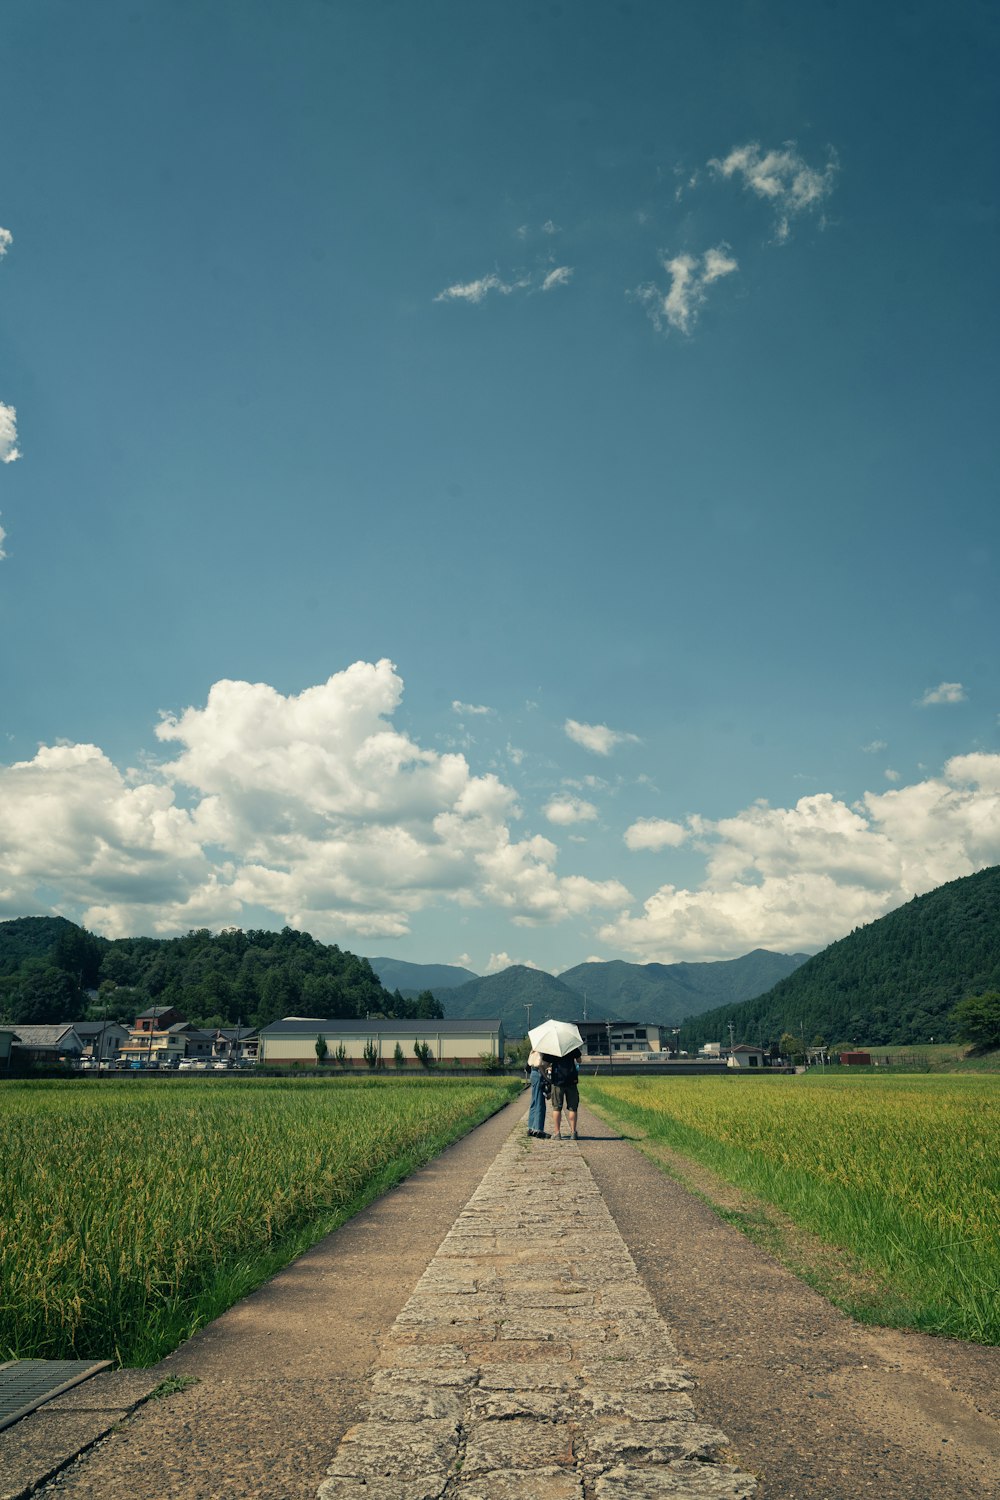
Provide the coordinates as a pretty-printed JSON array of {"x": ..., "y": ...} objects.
[{"x": 52, "y": 970}]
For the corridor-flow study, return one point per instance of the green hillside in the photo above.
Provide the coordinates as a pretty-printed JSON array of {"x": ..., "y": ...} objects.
[
  {"x": 50, "y": 968},
  {"x": 891, "y": 983},
  {"x": 666, "y": 994},
  {"x": 506, "y": 994}
]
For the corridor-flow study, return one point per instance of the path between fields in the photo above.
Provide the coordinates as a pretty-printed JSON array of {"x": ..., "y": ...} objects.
[{"x": 815, "y": 1405}]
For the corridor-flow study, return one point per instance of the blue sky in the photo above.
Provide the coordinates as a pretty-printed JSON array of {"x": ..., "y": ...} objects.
[{"x": 491, "y": 483}]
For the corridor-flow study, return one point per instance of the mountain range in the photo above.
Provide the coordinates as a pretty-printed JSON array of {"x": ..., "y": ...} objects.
[{"x": 658, "y": 994}]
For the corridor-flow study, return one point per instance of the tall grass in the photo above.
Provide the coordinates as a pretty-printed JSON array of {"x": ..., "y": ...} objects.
[
  {"x": 130, "y": 1212},
  {"x": 903, "y": 1173}
]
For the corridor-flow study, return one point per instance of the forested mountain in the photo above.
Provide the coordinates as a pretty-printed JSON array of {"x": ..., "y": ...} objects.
[
  {"x": 893, "y": 982},
  {"x": 252, "y": 976},
  {"x": 506, "y": 994},
  {"x": 665, "y": 994},
  {"x": 397, "y": 974}
]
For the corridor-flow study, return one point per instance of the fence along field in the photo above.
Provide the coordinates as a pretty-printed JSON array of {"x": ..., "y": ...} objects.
[
  {"x": 902, "y": 1173},
  {"x": 132, "y": 1212}
]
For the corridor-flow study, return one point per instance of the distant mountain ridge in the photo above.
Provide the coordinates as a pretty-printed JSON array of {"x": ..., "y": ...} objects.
[
  {"x": 397, "y": 974},
  {"x": 659, "y": 994},
  {"x": 893, "y": 982},
  {"x": 666, "y": 994}
]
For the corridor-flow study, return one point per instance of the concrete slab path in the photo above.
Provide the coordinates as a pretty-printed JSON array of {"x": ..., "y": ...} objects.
[{"x": 530, "y": 1363}]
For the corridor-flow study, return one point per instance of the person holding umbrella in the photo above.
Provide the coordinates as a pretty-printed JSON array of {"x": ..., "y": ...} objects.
[
  {"x": 565, "y": 1090},
  {"x": 564, "y": 1044}
]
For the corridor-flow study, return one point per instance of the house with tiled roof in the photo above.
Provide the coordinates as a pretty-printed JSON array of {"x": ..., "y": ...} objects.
[{"x": 53, "y": 1044}]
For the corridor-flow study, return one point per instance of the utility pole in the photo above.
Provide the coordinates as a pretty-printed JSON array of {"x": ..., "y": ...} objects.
[{"x": 527, "y": 1006}]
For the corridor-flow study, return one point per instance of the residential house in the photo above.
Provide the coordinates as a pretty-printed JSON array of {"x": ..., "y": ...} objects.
[
  {"x": 58, "y": 1043},
  {"x": 235, "y": 1044},
  {"x": 102, "y": 1041}
]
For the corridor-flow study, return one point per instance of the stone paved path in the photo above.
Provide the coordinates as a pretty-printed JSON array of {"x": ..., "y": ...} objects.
[{"x": 530, "y": 1363}]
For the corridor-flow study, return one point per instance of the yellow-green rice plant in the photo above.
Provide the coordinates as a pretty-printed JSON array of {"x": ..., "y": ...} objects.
[
  {"x": 132, "y": 1210},
  {"x": 904, "y": 1173}
]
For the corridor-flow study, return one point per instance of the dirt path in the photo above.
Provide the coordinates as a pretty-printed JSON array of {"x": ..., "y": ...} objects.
[{"x": 818, "y": 1406}]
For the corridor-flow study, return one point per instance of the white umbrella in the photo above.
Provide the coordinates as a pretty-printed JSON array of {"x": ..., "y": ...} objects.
[{"x": 555, "y": 1037}]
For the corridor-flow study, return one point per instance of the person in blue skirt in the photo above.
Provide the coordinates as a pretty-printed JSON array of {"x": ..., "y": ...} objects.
[{"x": 538, "y": 1067}]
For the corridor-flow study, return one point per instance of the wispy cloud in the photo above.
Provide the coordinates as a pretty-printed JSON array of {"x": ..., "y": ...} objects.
[
  {"x": 561, "y": 276},
  {"x": 690, "y": 278},
  {"x": 459, "y": 707},
  {"x": 875, "y": 747},
  {"x": 476, "y": 291},
  {"x": 782, "y": 178},
  {"x": 9, "y": 450},
  {"x": 6, "y": 240},
  {"x": 549, "y": 228},
  {"x": 2, "y": 536},
  {"x": 945, "y": 692},
  {"x": 598, "y": 737}
]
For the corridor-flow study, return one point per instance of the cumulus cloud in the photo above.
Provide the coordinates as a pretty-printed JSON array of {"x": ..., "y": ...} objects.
[
  {"x": 6, "y": 240},
  {"x": 470, "y": 708},
  {"x": 597, "y": 737},
  {"x": 655, "y": 833},
  {"x": 690, "y": 278},
  {"x": 500, "y": 961},
  {"x": 9, "y": 450},
  {"x": 945, "y": 692},
  {"x": 313, "y": 806},
  {"x": 797, "y": 878},
  {"x": 781, "y": 178},
  {"x": 567, "y": 810}
]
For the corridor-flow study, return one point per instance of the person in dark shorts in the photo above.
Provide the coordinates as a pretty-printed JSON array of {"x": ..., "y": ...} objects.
[{"x": 565, "y": 1092}]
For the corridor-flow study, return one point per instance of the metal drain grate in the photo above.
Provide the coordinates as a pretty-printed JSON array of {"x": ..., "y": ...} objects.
[{"x": 28, "y": 1383}]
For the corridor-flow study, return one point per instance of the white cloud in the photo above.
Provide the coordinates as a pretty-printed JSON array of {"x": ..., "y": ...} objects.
[
  {"x": 782, "y": 178},
  {"x": 9, "y": 451},
  {"x": 597, "y": 737},
  {"x": 2, "y": 537},
  {"x": 798, "y": 878},
  {"x": 549, "y": 227},
  {"x": 500, "y": 961},
  {"x": 561, "y": 276},
  {"x": 655, "y": 833},
  {"x": 874, "y": 747},
  {"x": 470, "y": 708},
  {"x": 689, "y": 278},
  {"x": 6, "y": 240},
  {"x": 945, "y": 692},
  {"x": 476, "y": 291},
  {"x": 312, "y": 806},
  {"x": 890, "y": 774},
  {"x": 567, "y": 810}
]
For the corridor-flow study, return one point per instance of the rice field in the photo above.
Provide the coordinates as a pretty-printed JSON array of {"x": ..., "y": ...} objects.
[
  {"x": 132, "y": 1212},
  {"x": 901, "y": 1173}
]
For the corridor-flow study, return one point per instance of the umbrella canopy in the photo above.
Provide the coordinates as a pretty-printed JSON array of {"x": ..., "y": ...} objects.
[{"x": 555, "y": 1037}]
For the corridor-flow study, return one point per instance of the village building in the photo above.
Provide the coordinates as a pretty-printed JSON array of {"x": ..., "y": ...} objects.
[{"x": 293, "y": 1039}]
